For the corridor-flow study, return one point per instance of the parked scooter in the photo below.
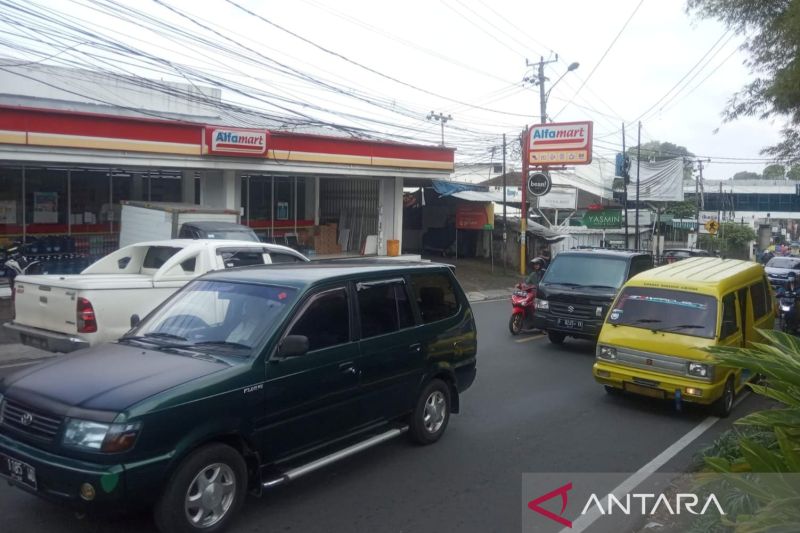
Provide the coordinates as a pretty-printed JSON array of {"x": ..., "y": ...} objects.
[
  {"x": 522, "y": 310},
  {"x": 17, "y": 263}
]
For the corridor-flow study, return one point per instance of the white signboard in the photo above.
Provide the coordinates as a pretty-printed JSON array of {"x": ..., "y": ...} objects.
[
  {"x": 645, "y": 218},
  {"x": 559, "y": 198},
  {"x": 8, "y": 212},
  {"x": 565, "y": 143}
]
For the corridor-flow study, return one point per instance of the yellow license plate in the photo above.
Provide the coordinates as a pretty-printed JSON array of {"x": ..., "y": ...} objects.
[{"x": 644, "y": 391}]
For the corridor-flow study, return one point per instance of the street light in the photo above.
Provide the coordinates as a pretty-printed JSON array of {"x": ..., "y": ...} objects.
[{"x": 570, "y": 68}]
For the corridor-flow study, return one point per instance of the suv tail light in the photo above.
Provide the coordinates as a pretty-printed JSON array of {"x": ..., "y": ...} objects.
[{"x": 87, "y": 322}]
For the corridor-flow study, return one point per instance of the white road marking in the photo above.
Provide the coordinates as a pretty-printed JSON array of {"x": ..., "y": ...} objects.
[
  {"x": 650, "y": 468},
  {"x": 528, "y": 339}
]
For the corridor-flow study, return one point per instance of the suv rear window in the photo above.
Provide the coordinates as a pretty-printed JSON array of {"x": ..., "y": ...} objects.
[
  {"x": 586, "y": 271},
  {"x": 667, "y": 310},
  {"x": 435, "y": 296}
]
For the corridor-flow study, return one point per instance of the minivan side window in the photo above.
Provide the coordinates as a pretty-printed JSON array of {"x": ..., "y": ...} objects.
[
  {"x": 435, "y": 296},
  {"x": 729, "y": 326},
  {"x": 383, "y": 307},
  {"x": 639, "y": 264},
  {"x": 326, "y": 320},
  {"x": 758, "y": 295}
]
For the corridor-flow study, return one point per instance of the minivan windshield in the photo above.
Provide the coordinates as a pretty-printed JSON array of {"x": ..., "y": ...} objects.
[
  {"x": 665, "y": 310},
  {"x": 225, "y": 317},
  {"x": 585, "y": 270}
]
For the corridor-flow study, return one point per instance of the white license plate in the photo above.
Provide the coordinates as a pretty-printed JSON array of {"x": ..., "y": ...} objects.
[
  {"x": 18, "y": 471},
  {"x": 570, "y": 323}
]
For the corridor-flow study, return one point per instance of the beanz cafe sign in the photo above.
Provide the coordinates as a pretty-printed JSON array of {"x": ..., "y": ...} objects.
[{"x": 235, "y": 141}]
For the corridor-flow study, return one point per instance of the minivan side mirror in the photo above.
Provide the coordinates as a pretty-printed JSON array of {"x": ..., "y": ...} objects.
[
  {"x": 135, "y": 321},
  {"x": 293, "y": 346}
]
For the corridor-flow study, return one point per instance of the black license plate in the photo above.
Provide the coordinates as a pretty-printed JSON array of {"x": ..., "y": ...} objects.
[
  {"x": 36, "y": 342},
  {"x": 570, "y": 323},
  {"x": 18, "y": 471}
]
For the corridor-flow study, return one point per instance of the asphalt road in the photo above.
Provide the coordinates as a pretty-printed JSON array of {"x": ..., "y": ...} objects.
[{"x": 533, "y": 408}]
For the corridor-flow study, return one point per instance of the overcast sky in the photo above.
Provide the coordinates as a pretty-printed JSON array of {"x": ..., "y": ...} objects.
[{"x": 386, "y": 65}]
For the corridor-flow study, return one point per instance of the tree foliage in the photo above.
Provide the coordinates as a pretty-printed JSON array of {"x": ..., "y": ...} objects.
[
  {"x": 747, "y": 175},
  {"x": 732, "y": 240},
  {"x": 685, "y": 209},
  {"x": 774, "y": 172},
  {"x": 772, "y": 39},
  {"x": 794, "y": 172}
]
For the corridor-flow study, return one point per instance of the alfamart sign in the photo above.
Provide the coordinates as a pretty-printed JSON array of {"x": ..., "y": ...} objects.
[
  {"x": 566, "y": 143},
  {"x": 238, "y": 141}
]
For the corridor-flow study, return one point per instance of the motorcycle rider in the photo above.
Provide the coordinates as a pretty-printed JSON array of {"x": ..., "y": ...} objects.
[
  {"x": 789, "y": 290},
  {"x": 537, "y": 271}
]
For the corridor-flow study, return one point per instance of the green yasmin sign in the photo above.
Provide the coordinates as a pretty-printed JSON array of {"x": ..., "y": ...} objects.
[{"x": 607, "y": 218}]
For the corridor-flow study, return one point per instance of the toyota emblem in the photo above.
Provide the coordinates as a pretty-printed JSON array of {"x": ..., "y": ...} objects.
[
  {"x": 26, "y": 419},
  {"x": 571, "y": 309}
]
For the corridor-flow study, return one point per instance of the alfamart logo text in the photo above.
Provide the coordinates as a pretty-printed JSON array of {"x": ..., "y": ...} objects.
[{"x": 628, "y": 504}]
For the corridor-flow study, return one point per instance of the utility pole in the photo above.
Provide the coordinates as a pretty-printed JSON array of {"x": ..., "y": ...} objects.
[
  {"x": 442, "y": 118},
  {"x": 505, "y": 184},
  {"x": 625, "y": 180},
  {"x": 638, "y": 158},
  {"x": 538, "y": 79}
]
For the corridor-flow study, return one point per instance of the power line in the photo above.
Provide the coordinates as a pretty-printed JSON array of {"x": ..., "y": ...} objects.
[{"x": 610, "y": 46}]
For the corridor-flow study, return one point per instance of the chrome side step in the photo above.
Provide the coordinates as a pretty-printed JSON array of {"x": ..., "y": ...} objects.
[{"x": 300, "y": 471}]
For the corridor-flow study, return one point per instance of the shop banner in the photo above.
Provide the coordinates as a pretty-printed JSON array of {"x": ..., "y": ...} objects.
[
  {"x": 607, "y": 218},
  {"x": 45, "y": 208},
  {"x": 475, "y": 215},
  {"x": 8, "y": 212}
]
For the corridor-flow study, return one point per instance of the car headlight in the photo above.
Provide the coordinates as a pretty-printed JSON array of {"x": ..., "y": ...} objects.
[
  {"x": 700, "y": 370},
  {"x": 606, "y": 352},
  {"x": 109, "y": 438},
  {"x": 543, "y": 305},
  {"x": 785, "y": 308}
]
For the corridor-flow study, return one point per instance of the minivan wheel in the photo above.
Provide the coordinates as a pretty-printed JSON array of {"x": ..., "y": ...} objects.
[
  {"x": 556, "y": 337},
  {"x": 204, "y": 493},
  {"x": 724, "y": 405},
  {"x": 431, "y": 414}
]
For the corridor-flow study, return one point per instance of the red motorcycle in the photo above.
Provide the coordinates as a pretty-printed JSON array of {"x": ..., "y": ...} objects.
[{"x": 522, "y": 301}]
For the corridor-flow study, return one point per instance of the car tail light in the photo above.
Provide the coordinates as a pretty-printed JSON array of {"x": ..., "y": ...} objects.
[{"x": 87, "y": 322}]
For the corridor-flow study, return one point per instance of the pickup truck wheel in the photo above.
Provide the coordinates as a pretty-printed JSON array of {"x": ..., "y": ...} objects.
[
  {"x": 431, "y": 414},
  {"x": 556, "y": 337},
  {"x": 204, "y": 493},
  {"x": 724, "y": 405}
]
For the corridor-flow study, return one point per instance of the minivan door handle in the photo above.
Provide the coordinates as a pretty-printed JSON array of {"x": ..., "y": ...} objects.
[
  {"x": 416, "y": 347},
  {"x": 348, "y": 368}
]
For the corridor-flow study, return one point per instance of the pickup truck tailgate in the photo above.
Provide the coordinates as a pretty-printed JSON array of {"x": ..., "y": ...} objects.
[{"x": 50, "y": 301}]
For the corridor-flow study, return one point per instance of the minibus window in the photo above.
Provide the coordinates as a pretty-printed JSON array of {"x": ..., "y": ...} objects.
[
  {"x": 665, "y": 310},
  {"x": 729, "y": 326}
]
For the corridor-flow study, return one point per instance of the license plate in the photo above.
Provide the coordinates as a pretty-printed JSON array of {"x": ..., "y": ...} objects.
[
  {"x": 644, "y": 391},
  {"x": 570, "y": 323},
  {"x": 36, "y": 342},
  {"x": 18, "y": 471}
]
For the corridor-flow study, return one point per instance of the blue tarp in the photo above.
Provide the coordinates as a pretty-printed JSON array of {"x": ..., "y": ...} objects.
[{"x": 447, "y": 188}]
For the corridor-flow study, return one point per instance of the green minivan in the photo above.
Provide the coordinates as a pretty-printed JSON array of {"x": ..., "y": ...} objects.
[{"x": 242, "y": 381}]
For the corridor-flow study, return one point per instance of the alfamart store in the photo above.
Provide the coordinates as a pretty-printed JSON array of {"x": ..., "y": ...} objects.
[{"x": 64, "y": 174}]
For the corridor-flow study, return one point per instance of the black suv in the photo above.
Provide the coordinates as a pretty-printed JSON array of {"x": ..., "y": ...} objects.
[
  {"x": 578, "y": 288},
  {"x": 242, "y": 381}
]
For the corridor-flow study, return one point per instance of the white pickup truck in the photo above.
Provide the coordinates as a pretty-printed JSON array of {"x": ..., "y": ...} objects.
[{"x": 63, "y": 313}]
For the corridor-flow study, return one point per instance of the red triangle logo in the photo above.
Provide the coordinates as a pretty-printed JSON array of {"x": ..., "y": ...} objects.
[{"x": 534, "y": 505}]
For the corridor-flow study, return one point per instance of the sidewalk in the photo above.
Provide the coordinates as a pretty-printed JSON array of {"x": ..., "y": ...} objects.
[{"x": 475, "y": 275}]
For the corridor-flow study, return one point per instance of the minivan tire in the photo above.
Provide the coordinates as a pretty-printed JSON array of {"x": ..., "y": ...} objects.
[
  {"x": 431, "y": 413},
  {"x": 556, "y": 337},
  {"x": 723, "y": 406},
  {"x": 227, "y": 467}
]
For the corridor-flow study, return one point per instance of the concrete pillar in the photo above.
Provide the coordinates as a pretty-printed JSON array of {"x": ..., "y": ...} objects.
[
  {"x": 390, "y": 221},
  {"x": 221, "y": 189},
  {"x": 309, "y": 208},
  {"x": 187, "y": 186},
  {"x": 137, "y": 187}
]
